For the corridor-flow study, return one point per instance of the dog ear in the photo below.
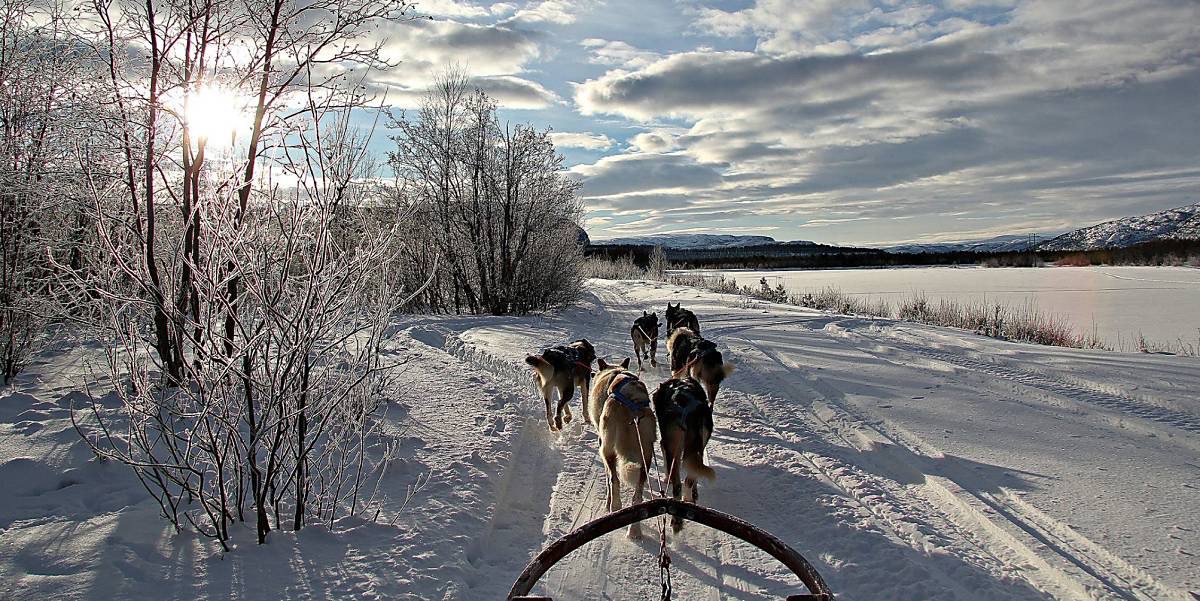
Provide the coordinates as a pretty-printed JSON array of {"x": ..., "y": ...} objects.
[
  {"x": 644, "y": 313},
  {"x": 625, "y": 363},
  {"x": 601, "y": 363}
]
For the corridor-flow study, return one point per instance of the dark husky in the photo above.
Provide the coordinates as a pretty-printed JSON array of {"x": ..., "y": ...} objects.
[
  {"x": 694, "y": 356},
  {"x": 645, "y": 338},
  {"x": 563, "y": 368},
  {"x": 678, "y": 317},
  {"x": 686, "y": 422},
  {"x": 620, "y": 408}
]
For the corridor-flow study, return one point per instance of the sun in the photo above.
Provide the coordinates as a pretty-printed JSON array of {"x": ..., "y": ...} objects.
[{"x": 217, "y": 115}]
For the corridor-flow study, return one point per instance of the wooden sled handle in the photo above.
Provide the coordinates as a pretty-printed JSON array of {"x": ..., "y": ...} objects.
[{"x": 817, "y": 589}]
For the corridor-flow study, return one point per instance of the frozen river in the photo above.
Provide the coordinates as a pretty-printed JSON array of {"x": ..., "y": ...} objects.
[{"x": 1160, "y": 303}]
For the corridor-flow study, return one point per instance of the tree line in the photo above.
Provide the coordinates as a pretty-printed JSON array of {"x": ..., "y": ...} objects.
[{"x": 1154, "y": 252}]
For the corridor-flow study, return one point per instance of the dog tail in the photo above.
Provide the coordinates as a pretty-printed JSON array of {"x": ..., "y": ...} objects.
[
  {"x": 716, "y": 363},
  {"x": 694, "y": 464},
  {"x": 540, "y": 364},
  {"x": 630, "y": 471}
]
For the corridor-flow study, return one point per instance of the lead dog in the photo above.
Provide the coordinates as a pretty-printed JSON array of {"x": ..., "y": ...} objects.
[
  {"x": 686, "y": 422},
  {"x": 699, "y": 358},
  {"x": 563, "y": 368},
  {"x": 678, "y": 317},
  {"x": 645, "y": 338},
  {"x": 620, "y": 407}
]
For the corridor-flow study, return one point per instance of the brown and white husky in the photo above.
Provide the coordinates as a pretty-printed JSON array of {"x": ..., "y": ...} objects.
[
  {"x": 699, "y": 358},
  {"x": 563, "y": 368},
  {"x": 620, "y": 407}
]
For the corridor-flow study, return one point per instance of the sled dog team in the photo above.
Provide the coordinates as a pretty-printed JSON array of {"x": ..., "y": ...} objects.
[{"x": 617, "y": 403}]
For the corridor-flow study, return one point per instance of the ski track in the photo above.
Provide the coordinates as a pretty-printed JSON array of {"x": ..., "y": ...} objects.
[
  {"x": 1076, "y": 392},
  {"x": 795, "y": 459}
]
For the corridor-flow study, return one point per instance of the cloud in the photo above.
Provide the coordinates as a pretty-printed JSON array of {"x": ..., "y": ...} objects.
[
  {"x": 585, "y": 140},
  {"x": 643, "y": 173},
  {"x": 450, "y": 8},
  {"x": 617, "y": 53},
  {"x": 849, "y": 118},
  {"x": 516, "y": 93},
  {"x": 653, "y": 141},
  {"x": 493, "y": 56},
  {"x": 557, "y": 12},
  {"x": 423, "y": 47}
]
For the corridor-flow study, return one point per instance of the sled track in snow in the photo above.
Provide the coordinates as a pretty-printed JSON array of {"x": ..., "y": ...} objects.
[
  {"x": 1075, "y": 392},
  {"x": 1005, "y": 528}
]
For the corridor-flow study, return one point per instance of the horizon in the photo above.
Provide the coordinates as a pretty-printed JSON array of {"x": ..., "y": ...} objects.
[{"x": 863, "y": 123}]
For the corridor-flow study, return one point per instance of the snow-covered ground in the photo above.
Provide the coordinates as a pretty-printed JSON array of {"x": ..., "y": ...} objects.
[
  {"x": 905, "y": 461},
  {"x": 1121, "y": 303}
]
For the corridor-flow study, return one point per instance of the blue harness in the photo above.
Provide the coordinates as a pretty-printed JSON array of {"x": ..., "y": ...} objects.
[{"x": 634, "y": 407}]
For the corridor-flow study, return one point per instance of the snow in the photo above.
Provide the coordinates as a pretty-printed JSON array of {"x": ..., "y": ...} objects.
[
  {"x": 1005, "y": 243},
  {"x": 1119, "y": 302},
  {"x": 904, "y": 461},
  {"x": 1180, "y": 223}
]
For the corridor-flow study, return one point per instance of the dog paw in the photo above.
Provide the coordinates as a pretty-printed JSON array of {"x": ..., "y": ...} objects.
[
  {"x": 635, "y": 533},
  {"x": 676, "y": 524}
]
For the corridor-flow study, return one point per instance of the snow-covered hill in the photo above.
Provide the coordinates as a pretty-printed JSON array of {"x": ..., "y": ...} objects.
[
  {"x": 906, "y": 462},
  {"x": 1173, "y": 224},
  {"x": 1005, "y": 243},
  {"x": 691, "y": 241}
]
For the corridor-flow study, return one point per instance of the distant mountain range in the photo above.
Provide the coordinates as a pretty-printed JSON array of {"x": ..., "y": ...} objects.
[
  {"x": 691, "y": 241},
  {"x": 1181, "y": 223},
  {"x": 1006, "y": 243}
]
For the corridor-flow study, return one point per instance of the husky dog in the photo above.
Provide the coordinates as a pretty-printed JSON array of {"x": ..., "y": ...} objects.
[
  {"x": 563, "y": 368},
  {"x": 645, "y": 338},
  {"x": 620, "y": 407},
  {"x": 699, "y": 358},
  {"x": 685, "y": 419},
  {"x": 678, "y": 317}
]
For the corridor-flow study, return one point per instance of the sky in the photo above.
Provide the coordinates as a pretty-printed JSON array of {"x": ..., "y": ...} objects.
[{"x": 839, "y": 121}]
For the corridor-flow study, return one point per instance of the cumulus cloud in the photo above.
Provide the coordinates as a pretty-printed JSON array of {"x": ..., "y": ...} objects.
[
  {"x": 955, "y": 113},
  {"x": 585, "y": 140},
  {"x": 493, "y": 56},
  {"x": 423, "y": 47},
  {"x": 558, "y": 12},
  {"x": 642, "y": 173},
  {"x": 617, "y": 53},
  {"x": 450, "y": 8},
  {"x": 653, "y": 141}
]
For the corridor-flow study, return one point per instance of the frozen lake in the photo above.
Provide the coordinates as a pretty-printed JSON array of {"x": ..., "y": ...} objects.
[{"x": 1161, "y": 303}]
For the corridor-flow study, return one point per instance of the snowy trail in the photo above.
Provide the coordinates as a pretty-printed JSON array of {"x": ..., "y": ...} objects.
[
  {"x": 881, "y": 510},
  {"x": 906, "y": 462}
]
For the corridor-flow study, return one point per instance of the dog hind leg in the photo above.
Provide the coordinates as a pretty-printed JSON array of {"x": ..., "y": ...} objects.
[
  {"x": 547, "y": 392},
  {"x": 614, "y": 479},
  {"x": 564, "y": 396},
  {"x": 635, "y": 529}
]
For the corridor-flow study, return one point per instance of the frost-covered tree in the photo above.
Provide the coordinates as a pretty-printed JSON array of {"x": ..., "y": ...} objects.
[
  {"x": 491, "y": 200},
  {"x": 45, "y": 101},
  {"x": 245, "y": 318},
  {"x": 657, "y": 268}
]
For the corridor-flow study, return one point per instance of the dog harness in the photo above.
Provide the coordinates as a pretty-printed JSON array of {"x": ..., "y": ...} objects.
[
  {"x": 679, "y": 388},
  {"x": 571, "y": 354},
  {"x": 636, "y": 408}
]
